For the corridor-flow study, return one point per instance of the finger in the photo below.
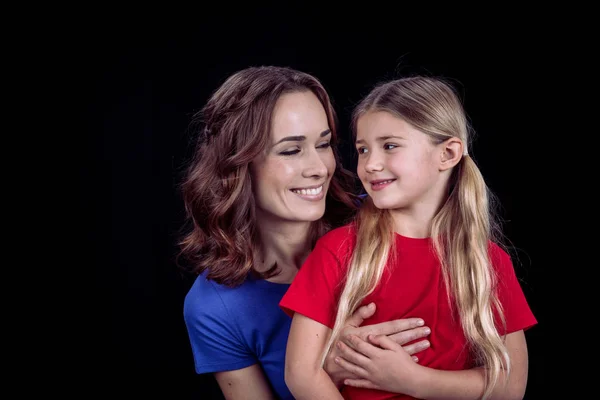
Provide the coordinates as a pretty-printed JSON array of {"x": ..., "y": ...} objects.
[
  {"x": 416, "y": 347},
  {"x": 363, "y": 347},
  {"x": 360, "y": 383},
  {"x": 354, "y": 369},
  {"x": 409, "y": 335},
  {"x": 361, "y": 314},
  {"x": 391, "y": 327},
  {"x": 384, "y": 342},
  {"x": 351, "y": 355}
]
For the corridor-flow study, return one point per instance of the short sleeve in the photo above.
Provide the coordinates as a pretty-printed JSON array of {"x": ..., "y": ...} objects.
[
  {"x": 317, "y": 285},
  {"x": 216, "y": 342},
  {"x": 517, "y": 313}
]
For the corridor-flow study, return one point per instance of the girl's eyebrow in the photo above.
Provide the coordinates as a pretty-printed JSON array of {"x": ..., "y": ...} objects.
[{"x": 383, "y": 138}]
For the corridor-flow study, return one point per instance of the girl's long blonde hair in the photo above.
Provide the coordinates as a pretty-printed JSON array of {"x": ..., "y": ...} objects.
[{"x": 461, "y": 231}]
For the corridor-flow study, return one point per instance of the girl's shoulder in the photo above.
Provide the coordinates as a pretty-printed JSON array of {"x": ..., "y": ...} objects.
[
  {"x": 498, "y": 254},
  {"x": 339, "y": 234},
  {"x": 339, "y": 240}
]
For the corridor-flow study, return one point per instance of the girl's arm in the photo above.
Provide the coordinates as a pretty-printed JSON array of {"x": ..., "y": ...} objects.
[
  {"x": 245, "y": 383},
  {"x": 304, "y": 375},
  {"x": 468, "y": 384},
  {"x": 383, "y": 364}
]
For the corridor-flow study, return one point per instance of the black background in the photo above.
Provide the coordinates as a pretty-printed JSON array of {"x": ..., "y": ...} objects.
[{"x": 141, "y": 81}]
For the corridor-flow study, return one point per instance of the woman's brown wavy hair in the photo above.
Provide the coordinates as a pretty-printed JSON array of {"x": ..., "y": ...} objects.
[{"x": 234, "y": 129}]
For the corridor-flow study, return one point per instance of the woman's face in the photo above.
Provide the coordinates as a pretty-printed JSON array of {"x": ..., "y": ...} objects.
[{"x": 291, "y": 179}]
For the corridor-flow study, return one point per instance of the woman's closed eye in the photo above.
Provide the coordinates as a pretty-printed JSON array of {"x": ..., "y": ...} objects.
[
  {"x": 290, "y": 152},
  {"x": 324, "y": 145},
  {"x": 296, "y": 150}
]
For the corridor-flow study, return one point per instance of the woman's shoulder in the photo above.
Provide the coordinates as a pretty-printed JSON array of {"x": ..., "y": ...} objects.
[
  {"x": 206, "y": 293},
  {"x": 209, "y": 296}
]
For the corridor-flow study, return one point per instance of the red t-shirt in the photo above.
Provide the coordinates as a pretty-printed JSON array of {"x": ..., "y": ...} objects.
[{"x": 412, "y": 285}]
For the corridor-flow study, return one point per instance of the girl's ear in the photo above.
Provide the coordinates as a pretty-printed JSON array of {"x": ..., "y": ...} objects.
[{"x": 451, "y": 153}]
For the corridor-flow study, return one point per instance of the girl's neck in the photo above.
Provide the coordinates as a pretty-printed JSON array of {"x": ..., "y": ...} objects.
[
  {"x": 415, "y": 221},
  {"x": 411, "y": 226}
]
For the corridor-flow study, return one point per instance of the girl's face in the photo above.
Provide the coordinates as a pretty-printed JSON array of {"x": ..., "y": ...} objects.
[
  {"x": 291, "y": 180},
  {"x": 398, "y": 165}
]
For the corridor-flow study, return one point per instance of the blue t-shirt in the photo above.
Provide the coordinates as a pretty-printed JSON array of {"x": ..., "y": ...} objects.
[{"x": 234, "y": 328}]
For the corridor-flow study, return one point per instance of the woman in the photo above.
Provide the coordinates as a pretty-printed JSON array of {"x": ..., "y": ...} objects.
[{"x": 263, "y": 186}]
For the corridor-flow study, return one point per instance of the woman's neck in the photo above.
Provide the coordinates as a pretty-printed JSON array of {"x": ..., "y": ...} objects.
[{"x": 288, "y": 245}]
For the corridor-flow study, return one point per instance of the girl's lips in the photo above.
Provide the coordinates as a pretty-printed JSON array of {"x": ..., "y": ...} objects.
[{"x": 381, "y": 183}]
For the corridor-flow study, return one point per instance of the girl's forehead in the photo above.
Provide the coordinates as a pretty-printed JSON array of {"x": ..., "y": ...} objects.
[{"x": 383, "y": 124}]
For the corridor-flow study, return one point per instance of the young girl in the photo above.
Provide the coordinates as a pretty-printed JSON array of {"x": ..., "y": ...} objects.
[{"x": 422, "y": 244}]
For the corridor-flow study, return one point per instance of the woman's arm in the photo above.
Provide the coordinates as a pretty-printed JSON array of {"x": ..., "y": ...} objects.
[
  {"x": 245, "y": 383},
  {"x": 401, "y": 331},
  {"x": 304, "y": 375},
  {"x": 383, "y": 364}
]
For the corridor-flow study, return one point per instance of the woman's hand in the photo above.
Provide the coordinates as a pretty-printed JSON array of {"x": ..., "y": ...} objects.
[
  {"x": 378, "y": 363},
  {"x": 400, "y": 331}
]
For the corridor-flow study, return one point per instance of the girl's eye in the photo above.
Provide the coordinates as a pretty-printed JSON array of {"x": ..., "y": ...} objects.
[
  {"x": 290, "y": 152},
  {"x": 362, "y": 150},
  {"x": 324, "y": 145},
  {"x": 389, "y": 146}
]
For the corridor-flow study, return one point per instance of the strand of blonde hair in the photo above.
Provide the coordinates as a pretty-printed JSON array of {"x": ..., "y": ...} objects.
[
  {"x": 374, "y": 244},
  {"x": 461, "y": 233}
]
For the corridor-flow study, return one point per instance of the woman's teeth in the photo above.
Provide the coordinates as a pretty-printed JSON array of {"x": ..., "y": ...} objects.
[{"x": 310, "y": 192}]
